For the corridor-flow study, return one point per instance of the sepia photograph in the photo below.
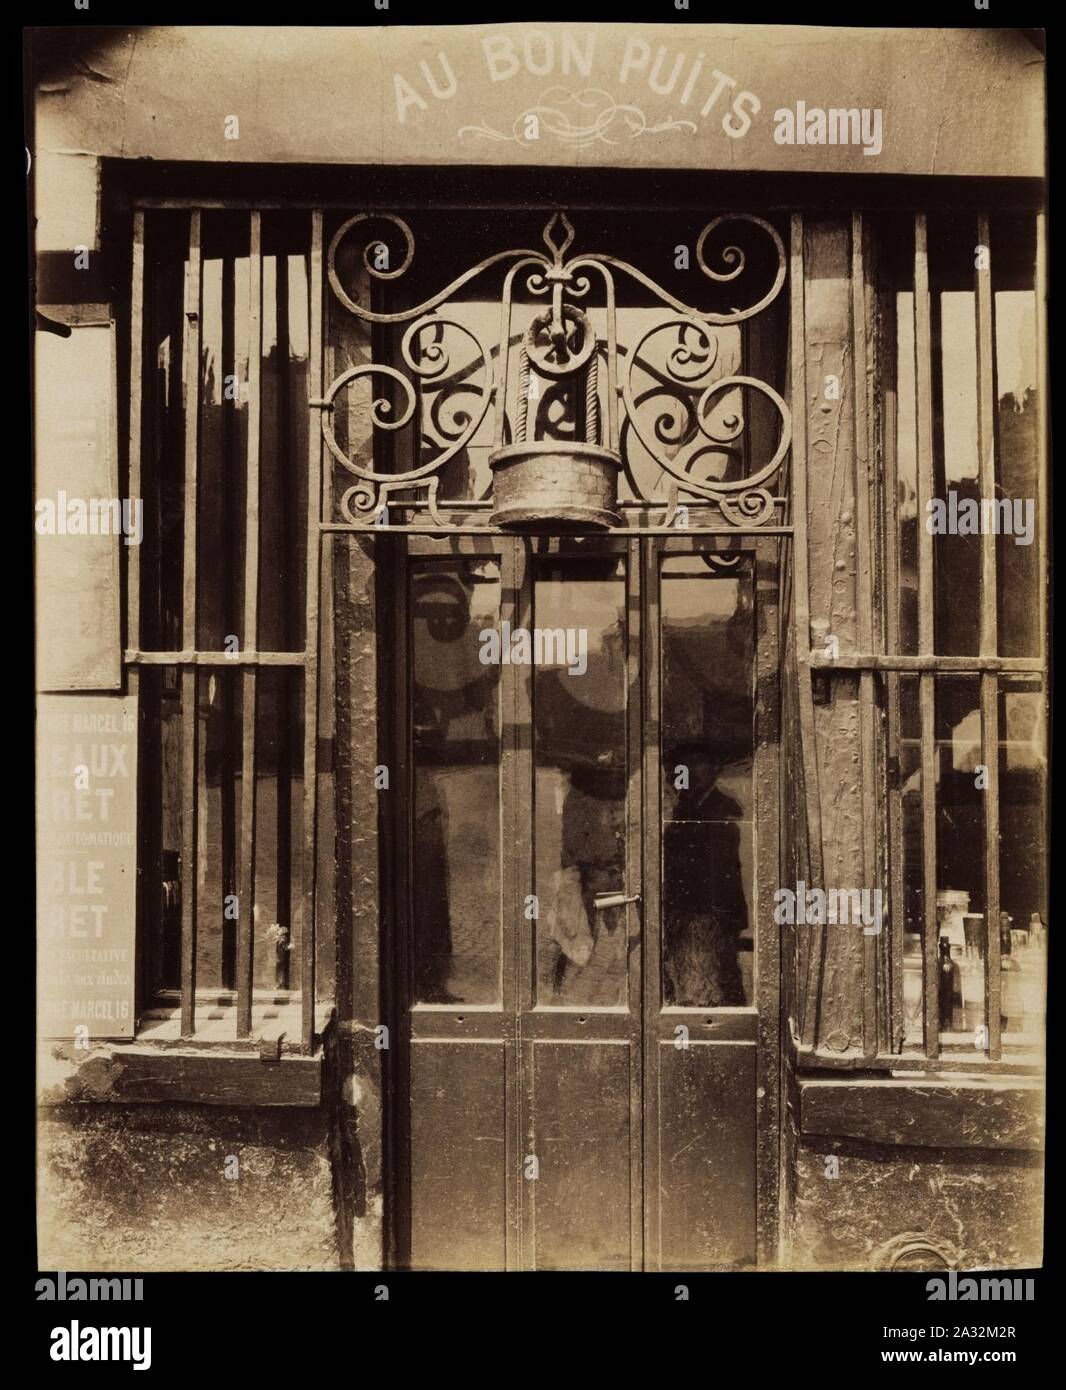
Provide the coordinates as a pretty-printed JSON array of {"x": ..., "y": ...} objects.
[{"x": 541, "y": 573}]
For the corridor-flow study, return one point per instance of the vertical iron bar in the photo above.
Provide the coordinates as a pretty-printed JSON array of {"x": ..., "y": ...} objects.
[
  {"x": 133, "y": 552},
  {"x": 133, "y": 573},
  {"x": 524, "y": 802},
  {"x": 513, "y": 868},
  {"x": 651, "y": 906},
  {"x": 986, "y": 403},
  {"x": 990, "y": 758},
  {"x": 808, "y": 1021},
  {"x": 927, "y": 691},
  {"x": 634, "y": 884},
  {"x": 1042, "y": 384},
  {"x": 246, "y": 898},
  {"x": 864, "y": 626},
  {"x": 767, "y": 995},
  {"x": 314, "y": 519},
  {"x": 896, "y": 898},
  {"x": 189, "y": 789}
]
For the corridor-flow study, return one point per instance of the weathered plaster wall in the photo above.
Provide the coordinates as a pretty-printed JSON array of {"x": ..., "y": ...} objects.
[
  {"x": 980, "y": 1209},
  {"x": 947, "y": 1169},
  {"x": 144, "y": 1187}
]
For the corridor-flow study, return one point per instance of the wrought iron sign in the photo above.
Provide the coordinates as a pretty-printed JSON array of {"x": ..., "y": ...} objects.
[{"x": 559, "y": 403}]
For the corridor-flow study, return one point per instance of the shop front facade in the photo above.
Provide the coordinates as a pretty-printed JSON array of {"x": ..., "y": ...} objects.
[{"x": 547, "y": 769}]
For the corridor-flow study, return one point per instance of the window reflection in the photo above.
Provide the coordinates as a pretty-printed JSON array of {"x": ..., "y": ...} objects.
[
  {"x": 707, "y": 743},
  {"x": 1018, "y": 461},
  {"x": 907, "y": 474},
  {"x": 912, "y": 839},
  {"x": 456, "y": 758},
  {"x": 956, "y": 558},
  {"x": 579, "y": 743},
  {"x": 960, "y": 848},
  {"x": 1022, "y": 859}
]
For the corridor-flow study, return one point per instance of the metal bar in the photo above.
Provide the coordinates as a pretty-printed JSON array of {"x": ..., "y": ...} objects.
[
  {"x": 396, "y": 926},
  {"x": 132, "y": 657},
  {"x": 651, "y": 909},
  {"x": 191, "y": 403},
  {"x": 393, "y": 568},
  {"x": 225, "y": 998},
  {"x": 255, "y": 353},
  {"x": 990, "y": 758},
  {"x": 865, "y": 623},
  {"x": 612, "y": 362},
  {"x": 986, "y": 414},
  {"x": 927, "y": 696},
  {"x": 1042, "y": 385},
  {"x": 133, "y": 552},
  {"x": 246, "y": 896},
  {"x": 876, "y": 195},
  {"x": 972, "y": 665},
  {"x": 314, "y": 520},
  {"x": 631, "y": 894},
  {"x": 808, "y": 1021},
  {"x": 471, "y": 529},
  {"x": 624, "y": 504},
  {"x": 767, "y": 789},
  {"x": 927, "y": 691},
  {"x": 896, "y": 1030},
  {"x": 523, "y": 799},
  {"x": 514, "y": 872},
  {"x": 133, "y": 580},
  {"x": 986, "y": 408},
  {"x": 189, "y": 769},
  {"x": 923, "y": 350}
]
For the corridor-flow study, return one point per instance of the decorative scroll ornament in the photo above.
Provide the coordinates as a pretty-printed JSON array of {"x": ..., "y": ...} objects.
[
  {"x": 667, "y": 406},
  {"x": 577, "y": 120}
]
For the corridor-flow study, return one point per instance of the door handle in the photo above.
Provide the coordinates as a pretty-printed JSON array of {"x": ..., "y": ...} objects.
[{"x": 602, "y": 901}]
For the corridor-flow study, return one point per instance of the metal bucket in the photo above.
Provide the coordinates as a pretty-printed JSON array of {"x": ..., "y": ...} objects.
[{"x": 551, "y": 483}]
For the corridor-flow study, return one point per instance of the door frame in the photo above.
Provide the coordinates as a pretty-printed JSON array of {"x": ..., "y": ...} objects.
[{"x": 757, "y": 1025}]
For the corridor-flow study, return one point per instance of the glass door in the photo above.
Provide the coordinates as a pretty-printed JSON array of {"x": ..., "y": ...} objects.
[{"x": 586, "y": 965}]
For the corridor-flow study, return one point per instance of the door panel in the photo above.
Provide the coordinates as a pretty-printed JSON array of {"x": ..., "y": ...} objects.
[
  {"x": 587, "y": 972},
  {"x": 581, "y": 1134},
  {"x": 458, "y": 1134},
  {"x": 707, "y": 1147}
]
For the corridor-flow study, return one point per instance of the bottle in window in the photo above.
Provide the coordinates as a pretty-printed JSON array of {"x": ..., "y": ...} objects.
[{"x": 951, "y": 1011}]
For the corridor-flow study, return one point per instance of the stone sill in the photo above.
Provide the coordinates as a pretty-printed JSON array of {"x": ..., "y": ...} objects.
[
  {"x": 142, "y": 1073},
  {"x": 945, "y": 1112},
  {"x": 1020, "y": 1060}
]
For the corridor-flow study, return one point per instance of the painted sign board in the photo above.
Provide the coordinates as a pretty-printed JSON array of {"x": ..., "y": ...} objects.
[
  {"x": 683, "y": 96},
  {"x": 78, "y": 515},
  {"x": 86, "y": 865}
]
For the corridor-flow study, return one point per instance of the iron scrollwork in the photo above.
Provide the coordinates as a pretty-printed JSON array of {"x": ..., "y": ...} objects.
[{"x": 627, "y": 398}]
